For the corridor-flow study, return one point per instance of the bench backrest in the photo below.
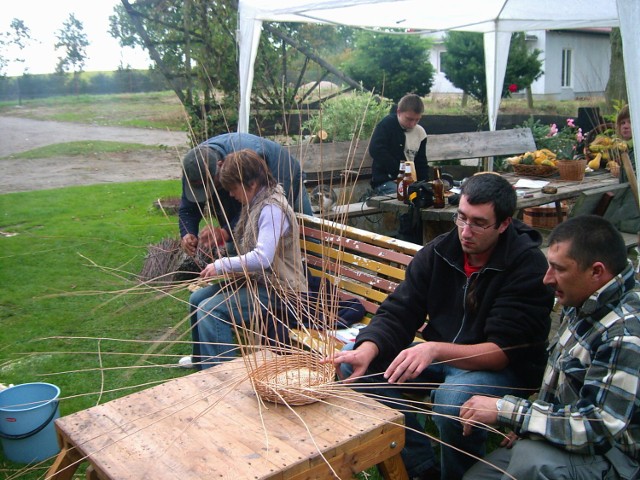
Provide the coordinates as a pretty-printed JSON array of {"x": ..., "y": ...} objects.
[
  {"x": 460, "y": 146},
  {"x": 321, "y": 161},
  {"x": 362, "y": 264}
]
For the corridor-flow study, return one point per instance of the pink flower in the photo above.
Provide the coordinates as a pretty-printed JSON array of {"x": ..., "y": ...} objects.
[
  {"x": 513, "y": 88},
  {"x": 553, "y": 130},
  {"x": 579, "y": 136},
  {"x": 570, "y": 123}
]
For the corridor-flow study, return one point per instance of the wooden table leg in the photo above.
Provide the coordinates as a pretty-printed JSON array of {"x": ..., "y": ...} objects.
[
  {"x": 91, "y": 473},
  {"x": 65, "y": 464},
  {"x": 393, "y": 468},
  {"x": 559, "y": 212}
]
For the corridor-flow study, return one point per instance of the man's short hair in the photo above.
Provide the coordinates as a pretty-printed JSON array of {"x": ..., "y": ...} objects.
[
  {"x": 411, "y": 103},
  {"x": 199, "y": 167},
  {"x": 593, "y": 239},
  {"x": 491, "y": 188}
]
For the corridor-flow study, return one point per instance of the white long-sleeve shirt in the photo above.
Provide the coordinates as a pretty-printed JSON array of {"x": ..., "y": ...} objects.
[{"x": 272, "y": 225}]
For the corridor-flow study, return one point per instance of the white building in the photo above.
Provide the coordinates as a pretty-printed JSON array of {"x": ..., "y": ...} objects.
[{"x": 575, "y": 63}]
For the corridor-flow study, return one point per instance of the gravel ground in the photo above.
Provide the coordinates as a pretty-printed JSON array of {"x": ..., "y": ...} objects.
[{"x": 19, "y": 135}]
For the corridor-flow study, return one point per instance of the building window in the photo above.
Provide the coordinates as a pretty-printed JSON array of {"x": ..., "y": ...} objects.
[
  {"x": 441, "y": 56},
  {"x": 566, "y": 67}
]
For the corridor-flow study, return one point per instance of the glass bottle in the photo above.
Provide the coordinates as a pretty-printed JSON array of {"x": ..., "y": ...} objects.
[
  {"x": 399, "y": 183},
  {"x": 407, "y": 180},
  {"x": 438, "y": 189}
]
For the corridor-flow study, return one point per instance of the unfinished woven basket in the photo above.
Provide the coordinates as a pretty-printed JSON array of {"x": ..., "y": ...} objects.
[
  {"x": 534, "y": 170},
  {"x": 297, "y": 379}
]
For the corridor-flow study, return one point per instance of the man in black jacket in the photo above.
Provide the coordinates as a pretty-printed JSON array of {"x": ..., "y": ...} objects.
[
  {"x": 396, "y": 139},
  {"x": 479, "y": 289}
]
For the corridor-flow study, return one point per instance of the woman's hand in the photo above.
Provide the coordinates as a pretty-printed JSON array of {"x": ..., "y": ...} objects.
[{"x": 209, "y": 271}]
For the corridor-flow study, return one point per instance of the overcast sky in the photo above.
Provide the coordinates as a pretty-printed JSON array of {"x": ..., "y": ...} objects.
[{"x": 45, "y": 17}]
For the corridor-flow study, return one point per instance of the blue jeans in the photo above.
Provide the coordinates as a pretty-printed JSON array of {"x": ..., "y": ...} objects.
[
  {"x": 454, "y": 387},
  {"x": 387, "y": 188},
  {"x": 214, "y": 310}
]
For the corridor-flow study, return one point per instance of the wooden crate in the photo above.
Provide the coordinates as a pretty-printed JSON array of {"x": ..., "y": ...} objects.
[{"x": 543, "y": 217}]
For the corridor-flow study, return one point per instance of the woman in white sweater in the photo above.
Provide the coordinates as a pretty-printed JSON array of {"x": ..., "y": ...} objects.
[{"x": 269, "y": 263}]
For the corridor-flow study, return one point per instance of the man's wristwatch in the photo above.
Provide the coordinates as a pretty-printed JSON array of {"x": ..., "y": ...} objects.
[{"x": 499, "y": 404}]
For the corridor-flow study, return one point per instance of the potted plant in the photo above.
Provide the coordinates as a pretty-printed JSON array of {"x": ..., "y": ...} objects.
[{"x": 564, "y": 142}]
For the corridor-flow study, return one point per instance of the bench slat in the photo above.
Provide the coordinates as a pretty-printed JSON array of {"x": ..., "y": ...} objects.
[
  {"x": 388, "y": 243},
  {"x": 336, "y": 269},
  {"x": 341, "y": 256}
]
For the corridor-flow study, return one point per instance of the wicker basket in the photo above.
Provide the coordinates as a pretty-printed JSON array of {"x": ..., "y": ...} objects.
[
  {"x": 297, "y": 379},
  {"x": 534, "y": 170},
  {"x": 572, "y": 170}
]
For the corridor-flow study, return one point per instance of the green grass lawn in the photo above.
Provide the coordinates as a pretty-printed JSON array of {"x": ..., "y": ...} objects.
[{"x": 65, "y": 254}]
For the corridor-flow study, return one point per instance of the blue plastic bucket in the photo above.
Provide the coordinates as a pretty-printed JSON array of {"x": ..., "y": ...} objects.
[{"x": 27, "y": 413}]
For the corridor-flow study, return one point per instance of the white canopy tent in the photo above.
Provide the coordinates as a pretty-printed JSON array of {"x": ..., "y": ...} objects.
[{"x": 496, "y": 19}]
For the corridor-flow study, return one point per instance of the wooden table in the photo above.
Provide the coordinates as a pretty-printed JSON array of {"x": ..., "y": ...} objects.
[
  {"x": 437, "y": 221},
  {"x": 210, "y": 425}
]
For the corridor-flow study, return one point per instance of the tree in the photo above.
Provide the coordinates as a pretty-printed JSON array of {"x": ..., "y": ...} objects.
[
  {"x": 17, "y": 37},
  {"x": 392, "y": 64},
  {"x": 193, "y": 45},
  {"x": 616, "y": 89},
  {"x": 464, "y": 64},
  {"x": 72, "y": 39}
]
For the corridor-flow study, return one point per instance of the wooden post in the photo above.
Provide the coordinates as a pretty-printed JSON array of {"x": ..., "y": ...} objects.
[{"x": 631, "y": 175}]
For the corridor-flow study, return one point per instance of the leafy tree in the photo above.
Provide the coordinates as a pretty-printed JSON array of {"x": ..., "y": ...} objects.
[
  {"x": 18, "y": 36},
  {"x": 193, "y": 45},
  {"x": 73, "y": 41},
  {"x": 616, "y": 85},
  {"x": 464, "y": 64},
  {"x": 391, "y": 64}
]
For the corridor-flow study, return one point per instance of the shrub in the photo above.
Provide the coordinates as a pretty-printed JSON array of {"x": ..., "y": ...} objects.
[{"x": 349, "y": 116}]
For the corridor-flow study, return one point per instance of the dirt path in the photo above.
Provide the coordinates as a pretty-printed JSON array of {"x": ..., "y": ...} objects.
[{"x": 19, "y": 135}]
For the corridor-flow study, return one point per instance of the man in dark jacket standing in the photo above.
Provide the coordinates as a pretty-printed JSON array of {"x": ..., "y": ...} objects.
[
  {"x": 480, "y": 290},
  {"x": 199, "y": 189},
  {"x": 396, "y": 139}
]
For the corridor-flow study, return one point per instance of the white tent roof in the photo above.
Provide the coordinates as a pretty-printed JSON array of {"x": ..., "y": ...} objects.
[{"x": 496, "y": 19}]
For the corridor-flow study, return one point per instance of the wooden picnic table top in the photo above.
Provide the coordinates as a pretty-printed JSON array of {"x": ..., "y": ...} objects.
[
  {"x": 211, "y": 424},
  {"x": 532, "y": 198}
]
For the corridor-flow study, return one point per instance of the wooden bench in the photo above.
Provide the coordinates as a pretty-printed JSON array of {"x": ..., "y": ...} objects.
[
  {"x": 343, "y": 164},
  {"x": 361, "y": 264}
]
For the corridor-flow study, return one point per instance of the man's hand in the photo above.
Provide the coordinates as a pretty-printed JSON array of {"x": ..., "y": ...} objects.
[
  {"x": 212, "y": 236},
  {"x": 509, "y": 439},
  {"x": 478, "y": 409},
  {"x": 411, "y": 362},
  {"x": 359, "y": 359},
  {"x": 189, "y": 244}
]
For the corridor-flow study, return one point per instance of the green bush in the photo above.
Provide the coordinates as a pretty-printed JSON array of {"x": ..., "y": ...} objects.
[{"x": 350, "y": 116}]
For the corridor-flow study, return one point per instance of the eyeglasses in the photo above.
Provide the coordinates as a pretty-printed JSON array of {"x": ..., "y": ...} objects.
[{"x": 474, "y": 227}]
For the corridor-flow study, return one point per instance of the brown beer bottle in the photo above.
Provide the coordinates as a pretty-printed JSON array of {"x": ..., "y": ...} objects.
[
  {"x": 400, "y": 184},
  {"x": 406, "y": 181},
  {"x": 438, "y": 189}
]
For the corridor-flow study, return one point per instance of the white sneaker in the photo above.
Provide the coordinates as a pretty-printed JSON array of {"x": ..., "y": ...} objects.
[{"x": 186, "y": 362}]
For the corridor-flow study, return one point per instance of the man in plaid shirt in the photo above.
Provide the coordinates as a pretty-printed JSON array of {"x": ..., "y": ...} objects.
[{"x": 585, "y": 422}]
